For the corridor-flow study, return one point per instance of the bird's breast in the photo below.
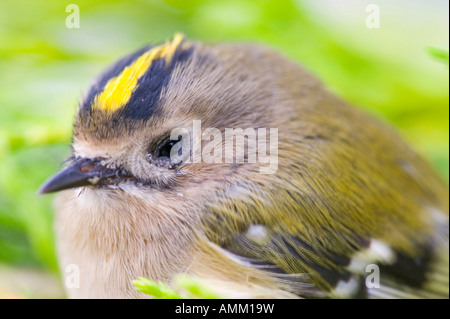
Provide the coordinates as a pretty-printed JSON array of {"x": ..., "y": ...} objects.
[{"x": 109, "y": 239}]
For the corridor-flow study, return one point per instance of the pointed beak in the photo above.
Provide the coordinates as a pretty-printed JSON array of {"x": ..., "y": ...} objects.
[{"x": 82, "y": 172}]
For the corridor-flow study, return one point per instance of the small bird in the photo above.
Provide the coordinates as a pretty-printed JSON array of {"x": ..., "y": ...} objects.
[{"x": 349, "y": 210}]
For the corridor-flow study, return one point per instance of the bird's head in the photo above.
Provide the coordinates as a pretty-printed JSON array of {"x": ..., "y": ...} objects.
[{"x": 150, "y": 101}]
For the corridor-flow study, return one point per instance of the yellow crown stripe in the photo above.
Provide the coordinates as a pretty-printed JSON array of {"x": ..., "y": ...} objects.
[{"x": 117, "y": 92}]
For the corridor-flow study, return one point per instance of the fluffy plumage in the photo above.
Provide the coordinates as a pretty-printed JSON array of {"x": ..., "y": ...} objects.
[{"x": 348, "y": 191}]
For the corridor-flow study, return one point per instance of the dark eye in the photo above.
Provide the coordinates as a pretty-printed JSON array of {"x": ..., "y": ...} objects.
[{"x": 164, "y": 151}]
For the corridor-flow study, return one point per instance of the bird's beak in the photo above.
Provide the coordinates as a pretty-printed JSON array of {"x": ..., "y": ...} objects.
[{"x": 81, "y": 172}]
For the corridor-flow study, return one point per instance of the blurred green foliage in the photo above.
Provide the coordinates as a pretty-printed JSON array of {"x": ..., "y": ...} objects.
[
  {"x": 44, "y": 68},
  {"x": 440, "y": 55}
]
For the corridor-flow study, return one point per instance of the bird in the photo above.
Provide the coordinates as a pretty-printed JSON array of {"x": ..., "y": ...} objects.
[{"x": 348, "y": 210}]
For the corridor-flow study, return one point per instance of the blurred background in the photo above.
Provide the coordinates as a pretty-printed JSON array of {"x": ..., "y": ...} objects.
[{"x": 387, "y": 57}]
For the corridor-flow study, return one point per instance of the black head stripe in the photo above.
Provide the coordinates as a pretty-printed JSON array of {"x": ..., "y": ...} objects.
[
  {"x": 144, "y": 101},
  {"x": 143, "y": 98},
  {"x": 110, "y": 73}
]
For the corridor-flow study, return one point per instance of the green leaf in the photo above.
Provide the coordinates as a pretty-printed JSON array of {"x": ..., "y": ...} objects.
[
  {"x": 157, "y": 290},
  {"x": 195, "y": 288},
  {"x": 186, "y": 287}
]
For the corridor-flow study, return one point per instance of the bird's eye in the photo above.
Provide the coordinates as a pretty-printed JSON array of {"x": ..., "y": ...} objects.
[
  {"x": 164, "y": 151},
  {"x": 161, "y": 157}
]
